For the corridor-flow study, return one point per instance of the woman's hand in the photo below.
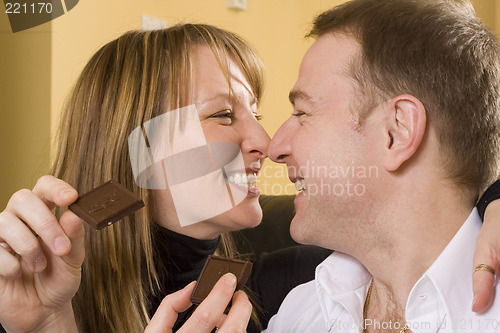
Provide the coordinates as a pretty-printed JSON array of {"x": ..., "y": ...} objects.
[
  {"x": 40, "y": 258},
  {"x": 209, "y": 314},
  {"x": 488, "y": 253}
]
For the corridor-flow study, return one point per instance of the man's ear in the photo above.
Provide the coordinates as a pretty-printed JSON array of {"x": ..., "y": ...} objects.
[{"x": 406, "y": 124}]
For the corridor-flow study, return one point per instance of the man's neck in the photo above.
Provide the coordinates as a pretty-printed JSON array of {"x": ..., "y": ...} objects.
[
  {"x": 382, "y": 313},
  {"x": 418, "y": 231}
]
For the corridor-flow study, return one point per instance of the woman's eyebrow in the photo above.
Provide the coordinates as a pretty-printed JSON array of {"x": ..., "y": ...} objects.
[{"x": 227, "y": 96}]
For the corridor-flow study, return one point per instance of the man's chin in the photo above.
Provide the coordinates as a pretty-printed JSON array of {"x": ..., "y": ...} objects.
[{"x": 297, "y": 230}]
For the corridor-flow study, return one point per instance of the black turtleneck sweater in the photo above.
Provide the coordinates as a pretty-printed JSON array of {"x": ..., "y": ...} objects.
[{"x": 180, "y": 259}]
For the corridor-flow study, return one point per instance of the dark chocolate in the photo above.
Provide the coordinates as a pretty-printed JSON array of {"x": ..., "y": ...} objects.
[
  {"x": 214, "y": 268},
  {"x": 106, "y": 204}
]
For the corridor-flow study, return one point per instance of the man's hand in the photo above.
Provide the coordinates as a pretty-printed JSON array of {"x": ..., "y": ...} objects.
[
  {"x": 488, "y": 253},
  {"x": 209, "y": 314},
  {"x": 40, "y": 258}
]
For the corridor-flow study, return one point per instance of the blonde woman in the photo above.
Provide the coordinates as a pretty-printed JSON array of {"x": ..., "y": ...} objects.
[
  {"x": 129, "y": 81},
  {"x": 129, "y": 267}
]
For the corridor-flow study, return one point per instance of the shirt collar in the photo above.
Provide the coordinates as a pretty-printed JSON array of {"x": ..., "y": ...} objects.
[
  {"x": 342, "y": 280},
  {"x": 448, "y": 282}
]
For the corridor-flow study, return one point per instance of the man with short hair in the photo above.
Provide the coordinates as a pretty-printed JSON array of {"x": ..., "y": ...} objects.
[{"x": 410, "y": 89}]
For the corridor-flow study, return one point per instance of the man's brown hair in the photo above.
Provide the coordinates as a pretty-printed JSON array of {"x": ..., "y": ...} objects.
[{"x": 441, "y": 53}]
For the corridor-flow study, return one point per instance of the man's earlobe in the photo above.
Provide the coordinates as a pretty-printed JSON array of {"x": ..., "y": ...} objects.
[{"x": 406, "y": 123}]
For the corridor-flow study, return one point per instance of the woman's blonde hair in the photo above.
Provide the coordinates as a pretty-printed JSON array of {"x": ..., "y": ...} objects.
[{"x": 127, "y": 82}]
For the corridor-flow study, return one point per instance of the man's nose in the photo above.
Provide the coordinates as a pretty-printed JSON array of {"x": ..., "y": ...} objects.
[{"x": 280, "y": 145}]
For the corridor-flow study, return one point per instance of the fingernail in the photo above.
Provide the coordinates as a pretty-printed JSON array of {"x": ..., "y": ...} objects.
[
  {"x": 61, "y": 244},
  {"x": 40, "y": 263},
  {"x": 230, "y": 279},
  {"x": 474, "y": 302},
  {"x": 68, "y": 192}
]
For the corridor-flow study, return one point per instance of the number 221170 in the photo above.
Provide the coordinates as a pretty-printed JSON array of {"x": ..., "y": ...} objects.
[{"x": 33, "y": 8}]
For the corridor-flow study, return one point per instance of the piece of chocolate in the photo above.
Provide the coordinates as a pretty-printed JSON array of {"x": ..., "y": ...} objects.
[
  {"x": 214, "y": 268},
  {"x": 106, "y": 204}
]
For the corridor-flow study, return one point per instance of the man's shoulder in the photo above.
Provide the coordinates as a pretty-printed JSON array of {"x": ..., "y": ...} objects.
[
  {"x": 299, "y": 312},
  {"x": 312, "y": 306},
  {"x": 302, "y": 296}
]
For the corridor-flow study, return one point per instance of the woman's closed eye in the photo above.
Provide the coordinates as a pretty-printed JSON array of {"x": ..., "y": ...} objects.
[{"x": 224, "y": 115}]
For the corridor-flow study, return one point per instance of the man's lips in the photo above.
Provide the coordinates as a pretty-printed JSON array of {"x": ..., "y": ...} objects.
[{"x": 300, "y": 185}]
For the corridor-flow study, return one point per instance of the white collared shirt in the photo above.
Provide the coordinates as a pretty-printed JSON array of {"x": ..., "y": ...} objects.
[{"x": 440, "y": 301}]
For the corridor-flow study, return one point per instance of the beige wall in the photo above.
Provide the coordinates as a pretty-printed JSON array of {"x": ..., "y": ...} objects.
[
  {"x": 489, "y": 12},
  {"x": 39, "y": 66},
  {"x": 25, "y": 78}
]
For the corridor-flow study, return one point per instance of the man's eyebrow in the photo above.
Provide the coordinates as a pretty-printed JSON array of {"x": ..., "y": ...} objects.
[{"x": 298, "y": 94}]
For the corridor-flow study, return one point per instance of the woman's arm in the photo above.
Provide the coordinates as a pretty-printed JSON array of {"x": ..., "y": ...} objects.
[
  {"x": 209, "y": 314},
  {"x": 487, "y": 248},
  {"x": 40, "y": 259}
]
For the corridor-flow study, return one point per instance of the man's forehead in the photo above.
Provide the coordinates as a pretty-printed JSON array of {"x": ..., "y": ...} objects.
[
  {"x": 331, "y": 51},
  {"x": 326, "y": 64}
]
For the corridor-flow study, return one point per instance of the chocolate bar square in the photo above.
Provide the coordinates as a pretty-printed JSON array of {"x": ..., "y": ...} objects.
[
  {"x": 106, "y": 204},
  {"x": 214, "y": 268}
]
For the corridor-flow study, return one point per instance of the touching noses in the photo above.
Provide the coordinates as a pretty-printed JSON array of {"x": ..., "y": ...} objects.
[{"x": 256, "y": 140}]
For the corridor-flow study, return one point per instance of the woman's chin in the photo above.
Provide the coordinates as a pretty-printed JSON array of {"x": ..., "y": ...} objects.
[{"x": 247, "y": 214}]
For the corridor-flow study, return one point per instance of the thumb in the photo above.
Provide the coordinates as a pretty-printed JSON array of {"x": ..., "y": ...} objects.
[
  {"x": 166, "y": 314},
  {"x": 72, "y": 226}
]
